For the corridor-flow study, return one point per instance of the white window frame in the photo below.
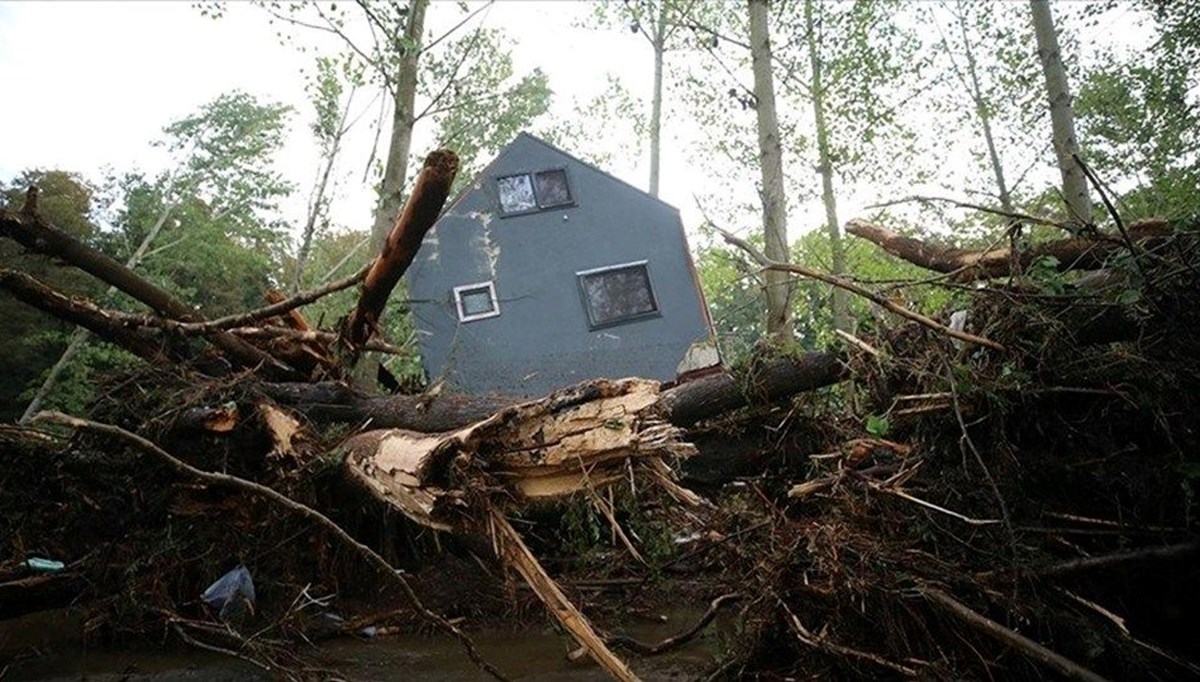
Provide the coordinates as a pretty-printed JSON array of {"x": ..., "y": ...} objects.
[
  {"x": 587, "y": 310},
  {"x": 465, "y": 288}
]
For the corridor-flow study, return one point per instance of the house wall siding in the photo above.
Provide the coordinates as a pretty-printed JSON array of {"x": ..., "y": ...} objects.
[{"x": 541, "y": 339}]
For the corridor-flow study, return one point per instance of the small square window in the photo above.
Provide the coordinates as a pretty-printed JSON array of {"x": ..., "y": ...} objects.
[
  {"x": 476, "y": 301},
  {"x": 552, "y": 188},
  {"x": 617, "y": 294},
  {"x": 516, "y": 193}
]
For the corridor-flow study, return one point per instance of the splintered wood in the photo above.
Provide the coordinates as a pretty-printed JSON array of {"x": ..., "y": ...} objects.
[
  {"x": 583, "y": 437},
  {"x": 574, "y": 440}
]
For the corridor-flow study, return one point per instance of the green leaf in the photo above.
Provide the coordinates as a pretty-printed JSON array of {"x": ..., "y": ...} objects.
[{"x": 878, "y": 426}]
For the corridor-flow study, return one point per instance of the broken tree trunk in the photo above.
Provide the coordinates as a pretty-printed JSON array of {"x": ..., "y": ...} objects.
[
  {"x": 81, "y": 313},
  {"x": 575, "y": 440},
  {"x": 967, "y": 265},
  {"x": 422, "y": 210},
  {"x": 682, "y": 405},
  {"x": 35, "y": 234}
]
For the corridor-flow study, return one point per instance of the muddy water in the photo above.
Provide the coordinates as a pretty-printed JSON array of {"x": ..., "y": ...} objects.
[{"x": 529, "y": 654}]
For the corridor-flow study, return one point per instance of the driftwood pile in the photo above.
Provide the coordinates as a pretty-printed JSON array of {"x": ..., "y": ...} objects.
[{"x": 856, "y": 562}]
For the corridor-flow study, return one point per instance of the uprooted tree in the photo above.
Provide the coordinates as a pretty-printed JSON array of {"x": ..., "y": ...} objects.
[{"x": 992, "y": 502}]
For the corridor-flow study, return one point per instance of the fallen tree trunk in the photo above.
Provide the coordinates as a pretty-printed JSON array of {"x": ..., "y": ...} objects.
[
  {"x": 972, "y": 264},
  {"x": 35, "y": 234},
  {"x": 81, "y": 313},
  {"x": 682, "y": 405},
  {"x": 575, "y": 440}
]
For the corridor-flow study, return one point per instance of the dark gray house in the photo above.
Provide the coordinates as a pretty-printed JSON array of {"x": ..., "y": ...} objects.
[{"x": 546, "y": 271}]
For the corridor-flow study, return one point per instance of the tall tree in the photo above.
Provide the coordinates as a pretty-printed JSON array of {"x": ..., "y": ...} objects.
[
  {"x": 425, "y": 77},
  {"x": 774, "y": 202},
  {"x": 329, "y": 127},
  {"x": 854, "y": 60},
  {"x": 961, "y": 43},
  {"x": 222, "y": 167},
  {"x": 1062, "y": 117}
]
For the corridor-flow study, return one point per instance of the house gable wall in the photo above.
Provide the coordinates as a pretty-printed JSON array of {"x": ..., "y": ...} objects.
[{"x": 541, "y": 339}]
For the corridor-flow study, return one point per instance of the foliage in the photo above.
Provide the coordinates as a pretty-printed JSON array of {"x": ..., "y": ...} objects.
[
  {"x": 1141, "y": 127},
  {"x": 225, "y": 153},
  {"x": 479, "y": 114},
  {"x": 34, "y": 340},
  {"x": 733, "y": 289}
]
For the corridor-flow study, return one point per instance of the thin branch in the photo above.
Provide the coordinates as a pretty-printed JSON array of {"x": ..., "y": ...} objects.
[
  {"x": 455, "y": 27},
  {"x": 1012, "y": 215},
  {"x": 327, "y": 338},
  {"x": 821, "y": 641},
  {"x": 678, "y": 640},
  {"x": 840, "y": 283},
  {"x": 1063, "y": 665},
  {"x": 242, "y": 319},
  {"x": 452, "y": 79},
  {"x": 372, "y": 557}
]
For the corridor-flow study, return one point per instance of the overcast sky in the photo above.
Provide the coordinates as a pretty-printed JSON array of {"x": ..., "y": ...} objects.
[{"x": 91, "y": 84}]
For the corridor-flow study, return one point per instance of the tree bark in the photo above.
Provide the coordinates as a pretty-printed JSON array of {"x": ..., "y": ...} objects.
[
  {"x": 974, "y": 264},
  {"x": 841, "y": 300},
  {"x": 79, "y": 336},
  {"x": 32, "y": 292},
  {"x": 982, "y": 113},
  {"x": 318, "y": 199},
  {"x": 1062, "y": 116},
  {"x": 422, "y": 210},
  {"x": 659, "y": 45},
  {"x": 778, "y": 284},
  {"x": 41, "y": 237},
  {"x": 681, "y": 405},
  {"x": 391, "y": 190}
]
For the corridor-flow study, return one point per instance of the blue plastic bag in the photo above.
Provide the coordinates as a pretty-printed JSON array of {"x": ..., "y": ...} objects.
[{"x": 231, "y": 593}]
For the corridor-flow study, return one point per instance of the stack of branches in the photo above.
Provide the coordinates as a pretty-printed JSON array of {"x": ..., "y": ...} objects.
[
  {"x": 1030, "y": 511},
  {"x": 1008, "y": 467}
]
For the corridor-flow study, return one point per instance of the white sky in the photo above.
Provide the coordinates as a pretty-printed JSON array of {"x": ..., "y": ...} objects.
[{"x": 89, "y": 85}]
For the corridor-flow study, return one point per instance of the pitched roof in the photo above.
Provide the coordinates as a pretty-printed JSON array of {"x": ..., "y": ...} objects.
[{"x": 470, "y": 187}]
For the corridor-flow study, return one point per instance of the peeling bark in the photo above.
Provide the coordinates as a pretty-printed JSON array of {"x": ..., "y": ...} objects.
[
  {"x": 422, "y": 210},
  {"x": 973, "y": 264}
]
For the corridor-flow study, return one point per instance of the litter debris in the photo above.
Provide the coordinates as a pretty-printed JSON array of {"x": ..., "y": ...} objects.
[
  {"x": 40, "y": 565},
  {"x": 231, "y": 593}
]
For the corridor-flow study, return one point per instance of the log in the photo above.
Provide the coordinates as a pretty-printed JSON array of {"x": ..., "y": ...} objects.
[
  {"x": 422, "y": 210},
  {"x": 81, "y": 313},
  {"x": 37, "y": 235},
  {"x": 681, "y": 405},
  {"x": 573, "y": 441},
  {"x": 968, "y": 265}
]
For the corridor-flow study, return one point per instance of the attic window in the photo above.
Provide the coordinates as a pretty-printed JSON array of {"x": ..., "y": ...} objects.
[
  {"x": 476, "y": 301},
  {"x": 617, "y": 294},
  {"x": 529, "y": 192}
]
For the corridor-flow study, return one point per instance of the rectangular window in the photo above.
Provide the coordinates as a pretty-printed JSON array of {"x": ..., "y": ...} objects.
[
  {"x": 616, "y": 294},
  {"x": 516, "y": 193},
  {"x": 529, "y": 192},
  {"x": 476, "y": 301},
  {"x": 551, "y": 188}
]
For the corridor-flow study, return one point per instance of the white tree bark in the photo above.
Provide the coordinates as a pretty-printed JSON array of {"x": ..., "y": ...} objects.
[
  {"x": 659, "y": 44},
  {"x": 391, "y": 190},
  {"x": 1062, "y": 116},
  {"x": 841, "y": 300},
  {"x": 779, "y": 284}
]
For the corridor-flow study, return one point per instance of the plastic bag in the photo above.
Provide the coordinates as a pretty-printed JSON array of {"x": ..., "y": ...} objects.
[{"x": 231, "y": 593}]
